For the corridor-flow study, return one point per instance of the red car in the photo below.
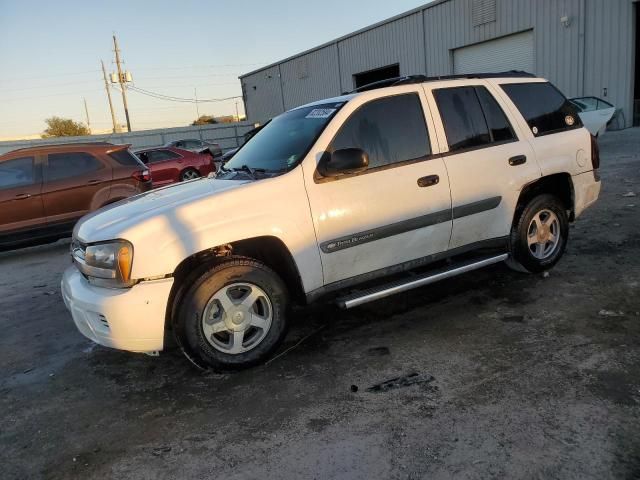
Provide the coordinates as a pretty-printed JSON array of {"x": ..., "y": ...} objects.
[{"x": 170, "y": 165}]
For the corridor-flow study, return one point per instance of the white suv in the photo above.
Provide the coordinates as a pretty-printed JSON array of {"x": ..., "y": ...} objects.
[{"x": 413, "y": 179}]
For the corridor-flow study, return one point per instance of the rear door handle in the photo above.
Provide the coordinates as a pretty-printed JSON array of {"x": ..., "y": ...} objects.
[
  {"x": 428, "y": 181},
  {"x": 517, "y": 160},
  {"x": 93, "y": 182},
  {"x": 21, "y": 196}
]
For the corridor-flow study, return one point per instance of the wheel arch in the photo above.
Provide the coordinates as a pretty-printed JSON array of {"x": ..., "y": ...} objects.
[
  {"x": 267, "y": 249},
  {"x": 557, "y": 184}
]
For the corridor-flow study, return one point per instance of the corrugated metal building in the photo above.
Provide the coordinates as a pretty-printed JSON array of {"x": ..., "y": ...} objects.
[{"x": 586, "y": 47}]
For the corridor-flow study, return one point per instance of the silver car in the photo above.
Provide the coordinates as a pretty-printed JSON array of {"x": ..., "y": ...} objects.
[{"x": 197, "y": 146}]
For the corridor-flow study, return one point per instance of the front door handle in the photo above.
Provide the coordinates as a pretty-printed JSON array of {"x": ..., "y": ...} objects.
[
  {"x": 428, "y": 181},
  {"x": 21, "y": 196},
  {"x": 93, "y": 182},
  {"x": 517, "y": 160}
]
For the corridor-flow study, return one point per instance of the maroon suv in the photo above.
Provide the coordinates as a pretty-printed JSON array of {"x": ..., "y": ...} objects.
[{"x": 44, "y": 190}]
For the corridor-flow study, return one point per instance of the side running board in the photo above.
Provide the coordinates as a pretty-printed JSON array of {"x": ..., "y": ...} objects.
[{"x": 376, "y": 293}]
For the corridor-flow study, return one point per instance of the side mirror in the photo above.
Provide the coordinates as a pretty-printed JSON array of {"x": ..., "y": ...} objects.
[{"x": 344, "y": 161}]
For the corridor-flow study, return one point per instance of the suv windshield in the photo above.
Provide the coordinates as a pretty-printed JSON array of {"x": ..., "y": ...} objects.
[{"x": 284, "y": 141}]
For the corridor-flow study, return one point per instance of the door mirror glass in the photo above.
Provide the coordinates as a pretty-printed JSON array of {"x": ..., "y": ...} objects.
[{"x": 343, "y": 161}]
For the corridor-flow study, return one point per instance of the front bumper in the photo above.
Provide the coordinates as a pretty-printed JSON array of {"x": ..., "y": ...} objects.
[{"x": 130, "y": 319}]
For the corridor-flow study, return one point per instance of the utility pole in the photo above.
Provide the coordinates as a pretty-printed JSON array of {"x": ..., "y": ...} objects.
[
  {"x": 195, "y": 92},
  {"x": 237, "y": 114},
  {"x": 86, "y": 111},
  {"x": 106, "y": 85},
  {"x": 123, "y": 83}
]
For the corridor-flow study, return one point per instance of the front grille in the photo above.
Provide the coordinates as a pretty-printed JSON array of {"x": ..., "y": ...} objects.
[{"x": 78, "y": 249}]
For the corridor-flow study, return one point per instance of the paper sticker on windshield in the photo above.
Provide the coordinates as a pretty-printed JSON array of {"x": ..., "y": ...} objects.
[{"x": 320, "y": 113}]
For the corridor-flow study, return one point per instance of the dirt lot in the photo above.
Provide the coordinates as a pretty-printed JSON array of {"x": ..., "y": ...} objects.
[{"x": 502, "y": 375}]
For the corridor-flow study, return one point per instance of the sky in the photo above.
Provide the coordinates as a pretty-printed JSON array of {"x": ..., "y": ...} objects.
[{"x": 50, "y": 53}]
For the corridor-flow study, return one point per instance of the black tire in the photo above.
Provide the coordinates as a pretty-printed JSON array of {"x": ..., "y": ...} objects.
[
  {"x": 521, "y": 256},
  {"x": 189, "y": 326},
  {"x": 187, "y": 172}
]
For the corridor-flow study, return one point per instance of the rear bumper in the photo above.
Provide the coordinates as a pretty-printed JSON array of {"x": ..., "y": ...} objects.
[
  {"x": 129, "y": 319},
  {"x": 586, "y": 189}
]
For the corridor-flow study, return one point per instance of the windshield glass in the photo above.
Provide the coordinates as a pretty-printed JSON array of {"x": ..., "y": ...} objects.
[{"x": 285, "y": 140}]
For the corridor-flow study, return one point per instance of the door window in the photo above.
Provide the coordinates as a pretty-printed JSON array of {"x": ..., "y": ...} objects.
[
  {"x": 71, "y": 164},
  {"x": 544, "y": 108},
  {"x": 17, "y": 172},
  {"x": 499, "y": 126},
  {"x": 472, "y": 118},
  {"x": 390, "y": 130}
]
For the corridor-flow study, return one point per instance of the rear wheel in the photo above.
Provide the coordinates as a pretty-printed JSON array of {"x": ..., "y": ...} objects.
[
  {"x": 189, "y": 174},
  {"x": 539, "y": 236},
  {"x": 234, "y": 315}
]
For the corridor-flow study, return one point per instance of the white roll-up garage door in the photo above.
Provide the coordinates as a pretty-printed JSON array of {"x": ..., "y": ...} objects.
[{"x": 514, "y": 52}]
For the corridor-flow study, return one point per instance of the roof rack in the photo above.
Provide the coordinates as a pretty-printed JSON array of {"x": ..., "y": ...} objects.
[{"x": 411, "y": 79}]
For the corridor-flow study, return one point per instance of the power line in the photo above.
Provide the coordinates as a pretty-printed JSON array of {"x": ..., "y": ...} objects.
[{"x": 171, "y": 98}]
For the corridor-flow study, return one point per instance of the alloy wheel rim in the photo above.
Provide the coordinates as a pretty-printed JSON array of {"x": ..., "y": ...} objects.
[
  {"x": 543, "y": 234},
  {"x": 190, "y": 175},
  {"x": 237, "y": 318}
]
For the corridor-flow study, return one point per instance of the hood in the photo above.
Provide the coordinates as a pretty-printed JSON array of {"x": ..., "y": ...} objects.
[{"x": 113, "y": 221}]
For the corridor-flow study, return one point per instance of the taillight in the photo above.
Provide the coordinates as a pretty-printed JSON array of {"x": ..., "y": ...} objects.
[
  {"x": 595, "y": 153},
  {"x": 142, "y": 175}
]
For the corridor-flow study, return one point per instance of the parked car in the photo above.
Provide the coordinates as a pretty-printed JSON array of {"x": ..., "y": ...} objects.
[
  {"x": 197, "y": 146},
  {"x": 170, "y": 165},
  {"x": 228, "y": 155},
  {"x": 44, "y": 190},
  {"x": 349, "y": 200},
  {"x": 595, "y": 113}
]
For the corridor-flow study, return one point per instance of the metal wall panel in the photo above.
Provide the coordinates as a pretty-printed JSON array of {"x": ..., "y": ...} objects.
[
  {"x": 609, "y": 53},
  {"x": 311, "y": 77},
  {"x": 401, "y": 41},
  {"x": 263, "y": 94}
]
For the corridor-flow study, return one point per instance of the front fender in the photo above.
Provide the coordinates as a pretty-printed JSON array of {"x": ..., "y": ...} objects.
[{"x": 276, "y": 207}]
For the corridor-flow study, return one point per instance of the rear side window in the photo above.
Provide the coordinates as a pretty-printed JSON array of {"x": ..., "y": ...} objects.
[
  {"x": 192, "y": 144},
  {"x": 71, "y": 164},
  {"x": 125, "y": 157},
  {"x": 544, "y": 108},
  {"x": 390, "y": 130},
  {"x": 154, "y": 156},
  {"x": 17, "y": 172}
]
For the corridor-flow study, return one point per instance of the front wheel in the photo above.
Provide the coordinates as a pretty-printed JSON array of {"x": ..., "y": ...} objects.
[
  {"x": 234, "y": 315},
  {"x": 539, "y": 236}
]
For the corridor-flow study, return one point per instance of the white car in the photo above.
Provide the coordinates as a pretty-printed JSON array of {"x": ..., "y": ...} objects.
[
  {"x": 417, "y": 179},
  {"x": 595, "y": 113}
]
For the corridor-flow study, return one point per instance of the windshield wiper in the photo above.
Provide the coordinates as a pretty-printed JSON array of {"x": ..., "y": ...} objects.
[{"x": 250, "y": 171}]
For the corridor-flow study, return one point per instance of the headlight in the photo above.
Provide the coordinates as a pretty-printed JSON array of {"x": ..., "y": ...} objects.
[{"x": 106, "y": 264}]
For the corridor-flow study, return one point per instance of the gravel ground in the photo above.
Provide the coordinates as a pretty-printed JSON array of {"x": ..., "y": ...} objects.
[{"x": 497, "y": 375}]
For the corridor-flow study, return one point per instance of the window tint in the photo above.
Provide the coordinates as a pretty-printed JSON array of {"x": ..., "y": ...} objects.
[
  {"x": 544, "y": 108},
  {"x": 464, "y": 122},
  {"x": 125, "y": 157},
  {"x": 499, "y": 126},
  {"x": 154, "y": 156},
  {"x": 71, "y": 164},
  {"x": 389, "y": 130},
  {"x": 192, "y": 144},
  {"x": 17, "y": 172}
]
